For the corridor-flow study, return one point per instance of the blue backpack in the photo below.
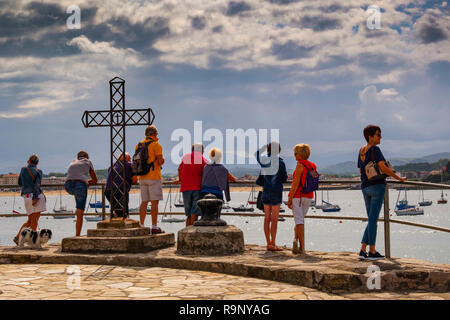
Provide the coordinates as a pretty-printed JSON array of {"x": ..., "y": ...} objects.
[{"x": 312, "y": 180}]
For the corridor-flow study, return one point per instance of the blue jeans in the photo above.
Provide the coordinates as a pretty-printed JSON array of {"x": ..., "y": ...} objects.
[
  {"x": 79, "y": 190},
  {"x": 190, "y": 199},
  {"x": 374, "y": 198}
]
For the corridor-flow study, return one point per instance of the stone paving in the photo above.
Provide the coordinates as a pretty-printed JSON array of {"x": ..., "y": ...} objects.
[
  {"x": 94, "y": 282},
  {"x": 332, "y": 272}
]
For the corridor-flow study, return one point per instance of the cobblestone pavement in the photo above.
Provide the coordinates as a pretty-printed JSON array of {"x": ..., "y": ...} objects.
[{"x": 58, "y": 282}]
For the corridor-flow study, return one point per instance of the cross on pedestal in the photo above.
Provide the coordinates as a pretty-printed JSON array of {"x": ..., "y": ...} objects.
[{"x": 117, "y": 118}]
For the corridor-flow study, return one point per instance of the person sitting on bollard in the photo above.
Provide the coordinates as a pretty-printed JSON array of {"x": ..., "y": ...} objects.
[
  {"x": 77, "y": 184},
  {"x": 216, "y": 177},
  {"x": 30, "y": 180},
  {"x": 190, "y": 173},
  {"x": 114, "y": 185}
]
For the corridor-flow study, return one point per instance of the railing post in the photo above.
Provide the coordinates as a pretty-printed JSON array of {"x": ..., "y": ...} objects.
[
  {"x": 387, "y": 230},
  {"x": 103, "y": 202}
]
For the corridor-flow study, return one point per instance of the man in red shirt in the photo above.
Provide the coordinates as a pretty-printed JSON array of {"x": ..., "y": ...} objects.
[{"x": 190, "y": 173}]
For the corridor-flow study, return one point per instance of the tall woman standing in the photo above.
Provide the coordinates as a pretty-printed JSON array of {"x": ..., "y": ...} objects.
[
  {"x": 30, "y": 180},
  {"x": 273, "y": 173},
  {"x": 372, "y": 190}
]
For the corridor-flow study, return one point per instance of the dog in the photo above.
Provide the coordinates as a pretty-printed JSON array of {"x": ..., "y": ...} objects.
[{"x": 33, "y": 238}]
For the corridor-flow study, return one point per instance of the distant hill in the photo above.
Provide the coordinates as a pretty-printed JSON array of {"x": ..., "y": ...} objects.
[{"x": 350, "y": 167}]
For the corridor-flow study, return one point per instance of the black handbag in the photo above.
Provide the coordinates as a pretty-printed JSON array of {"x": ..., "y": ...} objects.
[{"x": 259, "y": 203}]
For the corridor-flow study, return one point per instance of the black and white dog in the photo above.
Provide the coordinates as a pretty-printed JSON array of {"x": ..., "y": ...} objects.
[{"x": 33, "y": 238}]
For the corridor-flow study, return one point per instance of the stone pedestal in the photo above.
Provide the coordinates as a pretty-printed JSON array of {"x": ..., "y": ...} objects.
[
  {"x": 118, "y": 236},
  {"x": 210, "y": 240}
]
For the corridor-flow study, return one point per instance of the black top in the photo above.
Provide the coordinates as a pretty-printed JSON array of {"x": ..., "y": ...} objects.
[{"x": 378, "y": 156}]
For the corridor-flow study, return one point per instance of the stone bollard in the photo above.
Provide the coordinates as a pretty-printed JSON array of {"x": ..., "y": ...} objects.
[
  {"x": 211, "y": 207},
  {"x": 210, "y": 235}
]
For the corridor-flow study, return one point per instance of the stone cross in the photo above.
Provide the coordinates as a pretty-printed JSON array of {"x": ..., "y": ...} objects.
[{"x": 117, "y": 118}]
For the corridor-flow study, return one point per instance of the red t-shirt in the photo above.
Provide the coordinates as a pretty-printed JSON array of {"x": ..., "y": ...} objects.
[
  {"x": 191, "y": 171},
  {"x": 299, "y": 193}
]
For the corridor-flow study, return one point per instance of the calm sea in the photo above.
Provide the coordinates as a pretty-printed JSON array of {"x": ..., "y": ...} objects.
[{"x": 320, "y": 235}]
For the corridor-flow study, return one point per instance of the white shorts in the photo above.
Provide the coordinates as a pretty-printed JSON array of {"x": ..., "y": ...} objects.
[
  {"x": 300, "y": 208},
  {"x": 40, "y": 206},
  {"x": 151, "y": 190}
]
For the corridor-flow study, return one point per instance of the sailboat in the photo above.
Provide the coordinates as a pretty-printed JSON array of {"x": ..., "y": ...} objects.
[
  {"x": 326, "y": 206},
  {"x": 252, "y": 196},
  {"x": 404, "y": 209},
  {"x": 179, "y": 201},
  {"x": 403, "y": 204},
  {"x": 95, "y": 205},
  {"x": 62, "y": 209},
  {"x": 171, "y": 219},
  {"x": 243, "y": 208},
  {"x": 442, "y": 200},
  {"x": 423, "y": 202}
]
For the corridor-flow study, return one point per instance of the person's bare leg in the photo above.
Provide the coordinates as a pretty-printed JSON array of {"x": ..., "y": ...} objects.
[
  {"x": 34, "y": 220},
  {"x": 363, "y": 247},
  {"x": 25, "y": 225},
  {"x": 79, "y": 224},
  {"x": 188, "y": 221},
  {"x": 274, "y": 223},
  {"x": 267, "y": 218},
  {"x": 301, "y": 237},
  {"x": 372, "y": 249},
  {"x": 154, "y": 212},
  {"x": 143, "y": 212}
]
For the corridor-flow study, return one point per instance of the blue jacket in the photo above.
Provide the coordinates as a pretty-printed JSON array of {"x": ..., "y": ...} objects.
[
  {"x": 27, "y": 183},
  {"x": 273, "y": 183},
  {"x": 216, "y": 175}
]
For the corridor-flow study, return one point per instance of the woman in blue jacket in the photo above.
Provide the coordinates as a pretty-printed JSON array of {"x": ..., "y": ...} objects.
[
  {"x": 30, "y": 180},
  {"x": 273, "y": 173}
]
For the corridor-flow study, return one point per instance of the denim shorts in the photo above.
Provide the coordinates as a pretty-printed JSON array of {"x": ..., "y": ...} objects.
[
  {"x": 190, "y": 199},
  {"x": 271, "y": 198},
  {"x": 79, "y": 190}
]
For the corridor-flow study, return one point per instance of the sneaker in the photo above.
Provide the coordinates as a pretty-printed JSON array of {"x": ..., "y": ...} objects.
[
  {"x": 362, "y": 255},
  {"x": 156, "y": 230},
  {"x": 375, "y": 256},
  {"x": 16, "y": 240}
]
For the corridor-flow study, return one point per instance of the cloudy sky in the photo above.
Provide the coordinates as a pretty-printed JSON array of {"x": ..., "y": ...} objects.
[{"x": 312, "y": 69}]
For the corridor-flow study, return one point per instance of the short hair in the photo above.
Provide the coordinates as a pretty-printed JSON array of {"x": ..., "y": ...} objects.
[
  {"x": 370, "y": 131},
  {"x": 275, "y": 144},
  {"x": 151, "y": 131},
  {"x": 82, "y": 154},
  {"x": 33, "y": 159},
  {"x": 197, "y": 147},
  {"x": 215, "y": 154},
  {"x": 303, "y": 150}
]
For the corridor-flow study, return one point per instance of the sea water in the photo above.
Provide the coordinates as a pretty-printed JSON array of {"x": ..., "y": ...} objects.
[{"x": 320, "y": 235}]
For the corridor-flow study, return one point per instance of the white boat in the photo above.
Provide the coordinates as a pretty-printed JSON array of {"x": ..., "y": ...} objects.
[
  {"x": 94, "y": 218},
  {"x": 172, "y": 219},
  {"x": 409, "y": 212}
]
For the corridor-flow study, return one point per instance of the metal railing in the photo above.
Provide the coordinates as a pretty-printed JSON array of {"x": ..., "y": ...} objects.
[{"x": 336, "y": 182}]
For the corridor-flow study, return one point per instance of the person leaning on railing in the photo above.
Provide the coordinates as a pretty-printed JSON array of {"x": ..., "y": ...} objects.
[
  {"x": 373, "y": 190},
  {"x": 77, "y": 184}
]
